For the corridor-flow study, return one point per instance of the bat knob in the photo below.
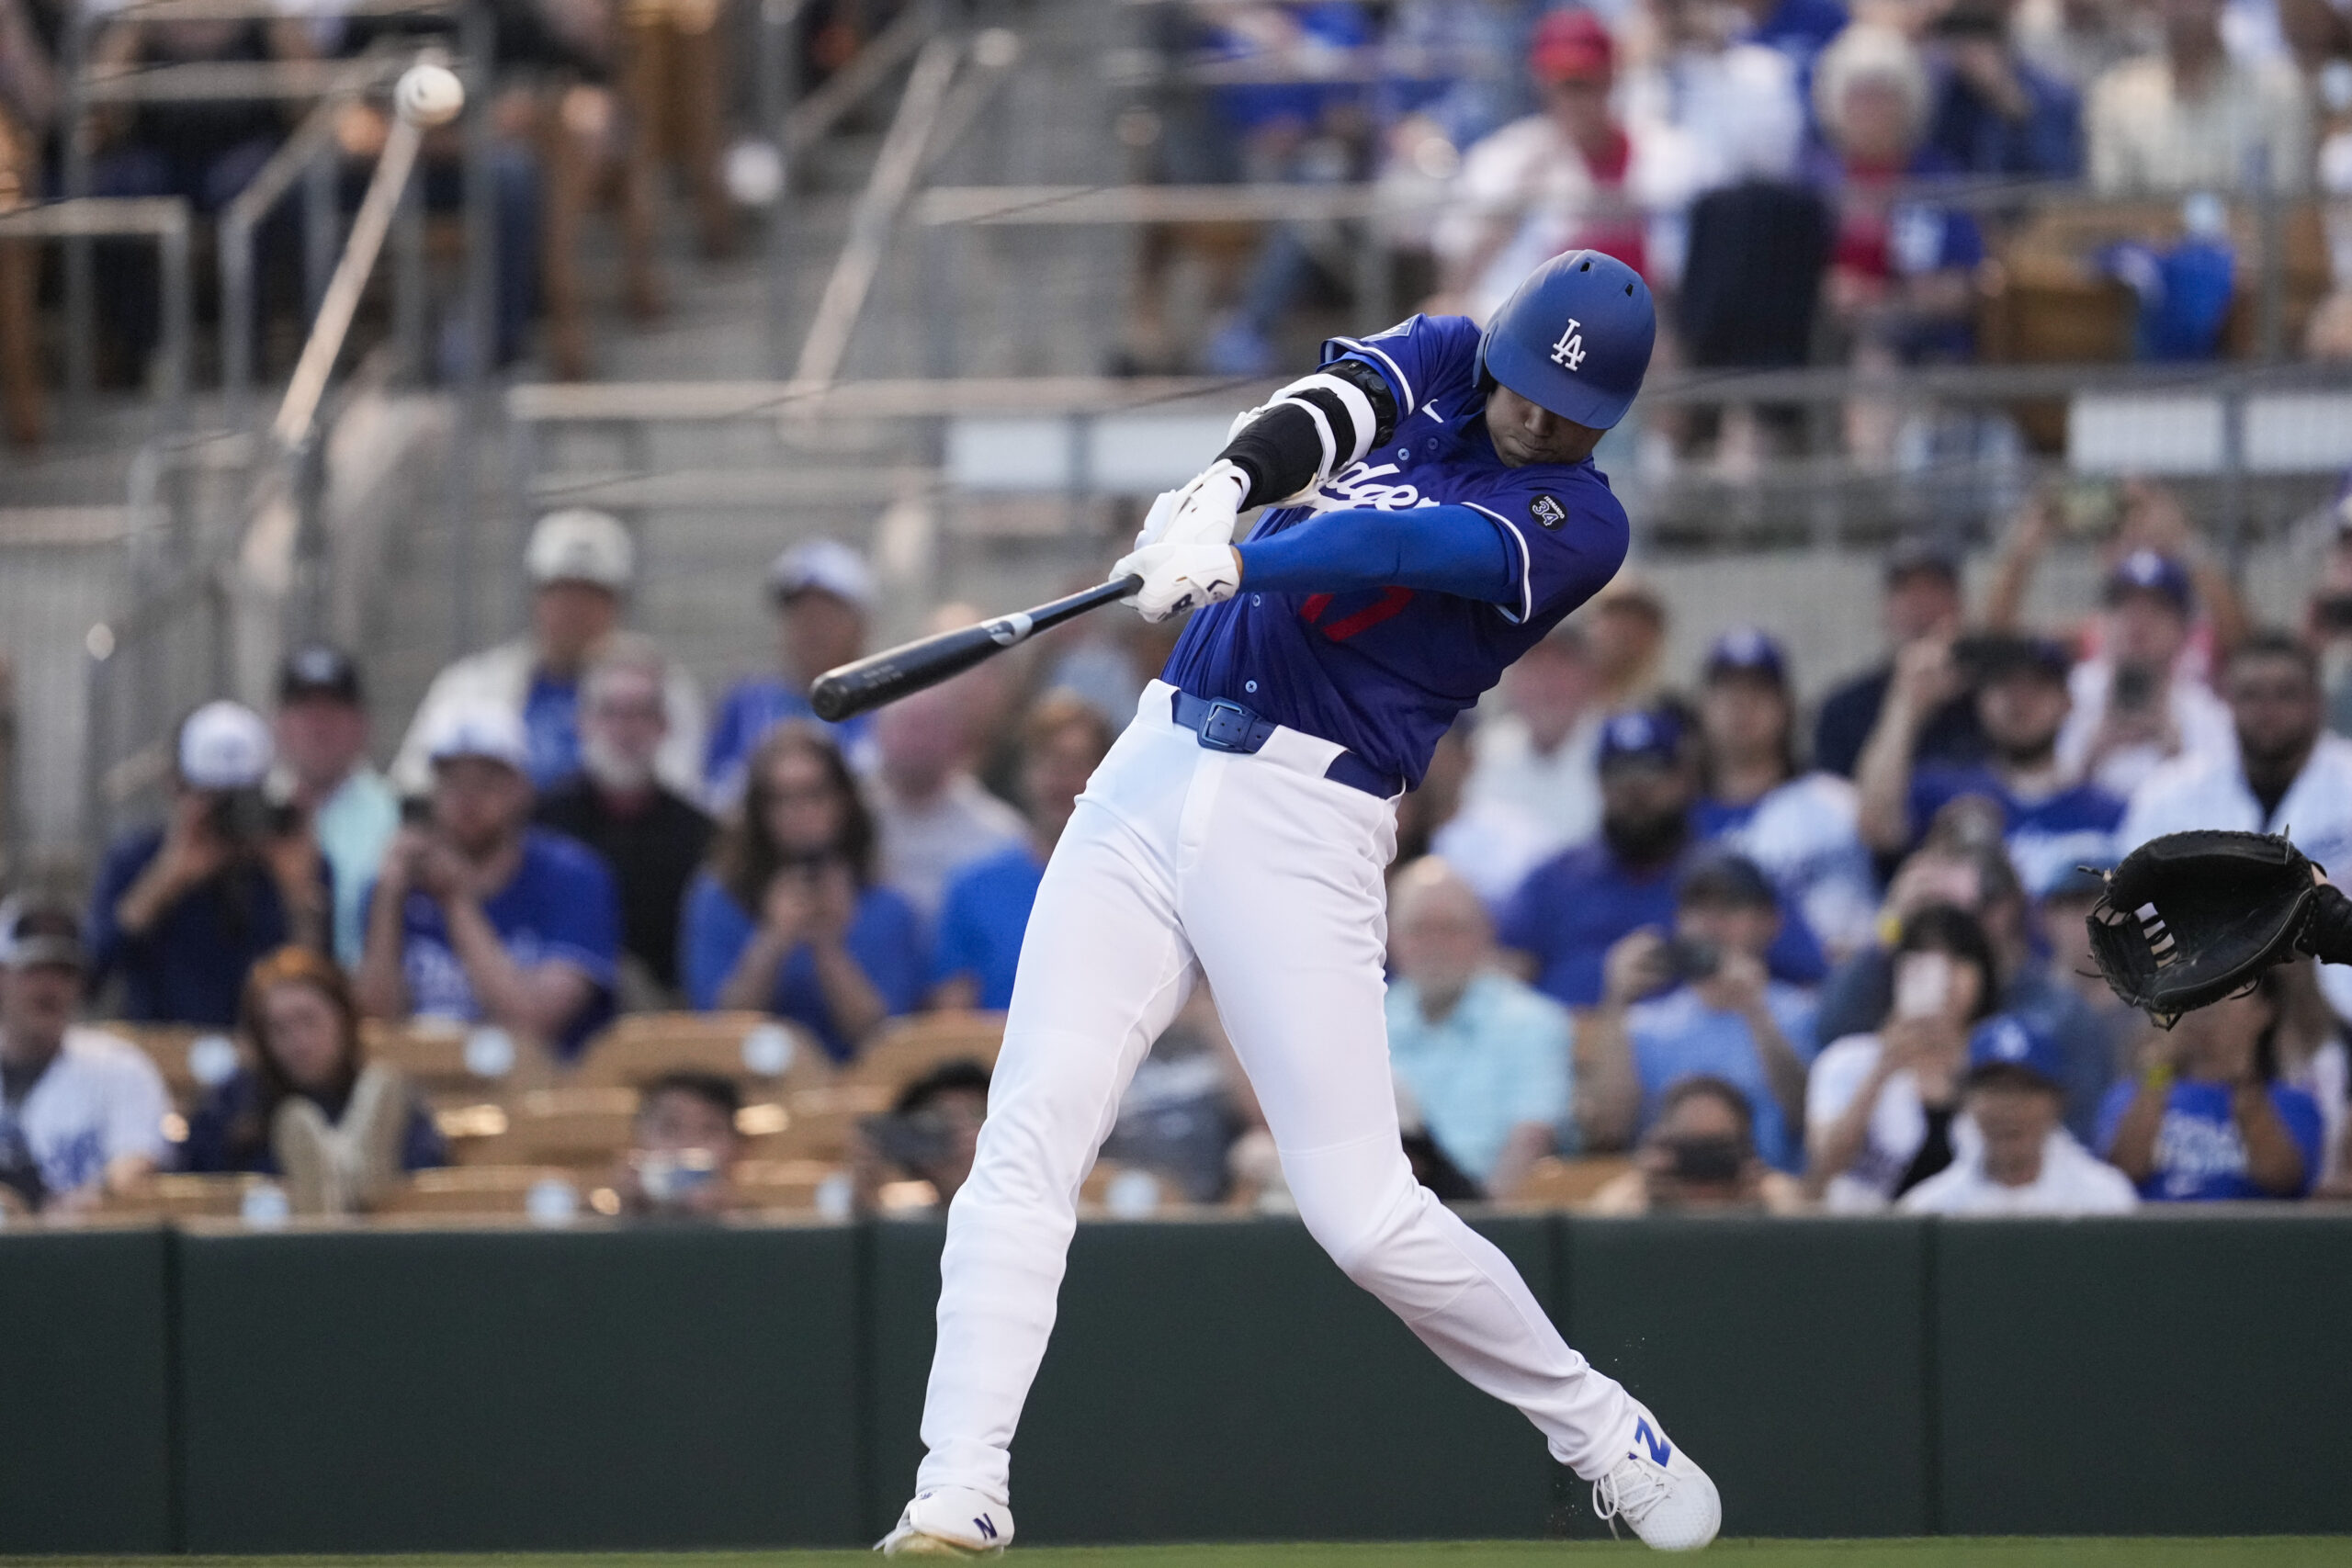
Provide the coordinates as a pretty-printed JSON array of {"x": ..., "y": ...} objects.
[{"x": 830, "y": 698}]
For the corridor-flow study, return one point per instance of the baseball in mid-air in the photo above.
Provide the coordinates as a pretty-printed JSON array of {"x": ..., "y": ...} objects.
[{"x": 428, "y": 95}]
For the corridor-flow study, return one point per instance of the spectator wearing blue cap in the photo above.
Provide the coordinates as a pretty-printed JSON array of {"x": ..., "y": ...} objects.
[
  {"x": 1922, "y": 600},
  {"x": 1799, "y": 826},
  {"x": 1571, "y": 908},
  {"x": 2144, "y": 697},
  {"x": 2048, "y": 823},
  {"x": 2022, "y": 1160},
  {"x": 824, "y": 592},
  {"x": 2144, "y": 700},
  {"x": 1699, "y": 1001},
  {"x": 2208, "y": 1117}
]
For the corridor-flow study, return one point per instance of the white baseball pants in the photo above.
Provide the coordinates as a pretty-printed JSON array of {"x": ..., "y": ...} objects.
[{"x": 1266, "y": 877}]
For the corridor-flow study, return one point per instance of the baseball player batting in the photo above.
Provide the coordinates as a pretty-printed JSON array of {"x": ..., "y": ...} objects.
[{"x": 1433, "y": 512}]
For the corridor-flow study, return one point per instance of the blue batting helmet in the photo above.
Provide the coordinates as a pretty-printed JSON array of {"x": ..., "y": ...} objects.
[{"x": 1575, "y": 338}]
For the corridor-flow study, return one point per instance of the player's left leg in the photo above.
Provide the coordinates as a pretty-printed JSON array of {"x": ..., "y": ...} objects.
[{"x": 1287, "y": 914}]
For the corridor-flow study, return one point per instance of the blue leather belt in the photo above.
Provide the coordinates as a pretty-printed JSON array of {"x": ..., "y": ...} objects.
[{"x": 1229, "y": 727}]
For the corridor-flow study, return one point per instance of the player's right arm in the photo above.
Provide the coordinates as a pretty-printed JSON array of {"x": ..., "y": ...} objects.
[{"x": 1308, "y": 432}]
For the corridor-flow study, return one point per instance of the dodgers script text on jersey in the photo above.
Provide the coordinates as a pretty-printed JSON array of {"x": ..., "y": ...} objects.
[{"x": 1383, "y": 672}]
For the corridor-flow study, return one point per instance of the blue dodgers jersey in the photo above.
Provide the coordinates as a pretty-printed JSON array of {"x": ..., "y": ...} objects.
[
  {"x": 2046, "y": 838},
  {"x": 1383, "y": 672}
]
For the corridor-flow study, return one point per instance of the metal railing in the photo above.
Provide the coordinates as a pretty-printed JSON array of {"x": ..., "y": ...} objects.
[
  {"x": 76, "y": 220},
  {"x": 207, "y": 607},
  {"x": 311, "y": 155},
  {"x": 89, "y": 85}
]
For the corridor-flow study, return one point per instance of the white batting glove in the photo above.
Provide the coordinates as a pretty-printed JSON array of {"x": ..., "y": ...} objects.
[
  {"x": 1204, "y": 510},
  {"x": 1179, "y": 577}
]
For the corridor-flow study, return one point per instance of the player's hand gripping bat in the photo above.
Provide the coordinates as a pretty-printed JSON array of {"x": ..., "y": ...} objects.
[{"x": 895, "y": 672}]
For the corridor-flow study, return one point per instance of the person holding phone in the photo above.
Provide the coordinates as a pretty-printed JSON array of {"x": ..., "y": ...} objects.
[
  {"x": 787, "y": 918},
  {"x": 682, "y": 1149},
  {"x": 1880, "y": 1107},
  {"x": 2207, "y": 1118},
  {"x": 1701, "y": 1156},
  {"x": 479, "y": 916},
  {"x": 1699, "y": 1001},
  {"x": 181, "y": 911},
  {"x": 2049, "y": 822}
]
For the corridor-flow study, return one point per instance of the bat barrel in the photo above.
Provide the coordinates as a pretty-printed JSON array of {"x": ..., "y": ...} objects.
[{"x": 884, "y": 677}]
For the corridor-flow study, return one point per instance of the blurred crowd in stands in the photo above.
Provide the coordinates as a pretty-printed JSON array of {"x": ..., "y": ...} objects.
[
  {"x": 595, "y": 106},
  {"x": 1655, "y": 942},
  {"x": 1803, "y": 181},
  {"x": 1873, "y": 183}
]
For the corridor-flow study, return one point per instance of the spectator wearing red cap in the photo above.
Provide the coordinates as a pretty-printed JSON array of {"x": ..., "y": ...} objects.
[{"x": 1570, "y": 177}]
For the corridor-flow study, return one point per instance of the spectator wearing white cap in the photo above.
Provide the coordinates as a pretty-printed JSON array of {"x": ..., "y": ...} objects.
[
  {"x": 581, "y": 564},
  {"x": 479, "y": 916},
  {"x": 181, "y": 911},
  {"x": 81, "y": 1110},
  {"x": 322, "y": 730},
  {"x": 823, "y": 592}
]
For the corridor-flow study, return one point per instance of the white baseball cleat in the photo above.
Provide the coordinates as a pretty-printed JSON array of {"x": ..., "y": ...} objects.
[
  {"x": 1668, "y": 1500},
  {"x": 949, "y": 1521}
]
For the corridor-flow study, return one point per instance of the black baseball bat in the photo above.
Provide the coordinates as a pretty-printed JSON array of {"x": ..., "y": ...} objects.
[{"x": 894, "y": 672}]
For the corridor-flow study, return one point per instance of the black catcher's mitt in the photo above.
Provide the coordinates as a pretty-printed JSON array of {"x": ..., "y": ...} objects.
[{"x": 2191, "y": 918}]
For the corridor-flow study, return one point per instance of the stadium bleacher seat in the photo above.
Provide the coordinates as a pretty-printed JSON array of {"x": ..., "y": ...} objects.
[
  {"x": 810, "y": 1124},
  {"x": 181, "y": 1197},
  {"x": 783, "y": 1184},
  {"x": 1126, "y": 1192},
  {"x": 756, "y": 1051},
  {"x": 485, "y": 1191},
  {"x": 1567, "y": 1183},
  {"x": 909, "y": 1047},
  {"x": 575, "y": 1126},
  {"x": 191, "y": 1059},
  {"x": 448, "y": 1060}
]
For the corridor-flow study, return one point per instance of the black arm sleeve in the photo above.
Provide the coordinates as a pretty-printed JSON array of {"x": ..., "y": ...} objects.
[
  {"x": 2328, "y": 936},
  {"x": 1281, "y": 449}
]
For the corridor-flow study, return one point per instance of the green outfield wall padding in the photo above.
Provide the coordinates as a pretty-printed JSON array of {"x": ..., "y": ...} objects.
[
  {"x": 1788, "y": 1354},
  {"x": 86, "y": 1457},
  {"x": 2188, "y": 1373},
  {"x": 1225, "y": 1380},
  {"x": 669, "y": 1386},
  {"x": 713, "y": 1386}
]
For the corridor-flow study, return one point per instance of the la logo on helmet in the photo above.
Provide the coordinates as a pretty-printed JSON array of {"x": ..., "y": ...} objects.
[{"x": 1569, "y": 353}]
